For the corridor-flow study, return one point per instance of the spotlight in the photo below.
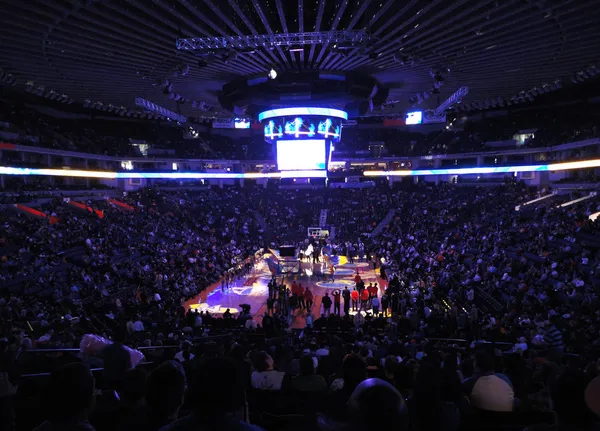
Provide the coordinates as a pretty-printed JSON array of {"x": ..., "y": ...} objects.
[
  {"x": 230, "y": 56},
  {"x": 401, "y": 58},
  {"x": 272, "y": 74}
]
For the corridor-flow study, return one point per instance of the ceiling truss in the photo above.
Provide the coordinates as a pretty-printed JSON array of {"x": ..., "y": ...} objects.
[
  {"x": 115, "y": 50},
  {"x": 272, "y": 40}
]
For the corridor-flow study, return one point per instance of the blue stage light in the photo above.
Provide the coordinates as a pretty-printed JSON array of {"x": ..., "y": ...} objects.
[{"x": 286, "y": 112}]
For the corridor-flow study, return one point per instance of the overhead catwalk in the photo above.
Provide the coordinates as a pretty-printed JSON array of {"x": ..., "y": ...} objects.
[{"x": 269, "y": 40}]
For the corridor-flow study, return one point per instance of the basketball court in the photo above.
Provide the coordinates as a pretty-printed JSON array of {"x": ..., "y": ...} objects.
[{"x": 253, "y": 289}]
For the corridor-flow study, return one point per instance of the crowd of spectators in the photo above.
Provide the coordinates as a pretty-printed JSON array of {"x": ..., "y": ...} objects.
[{"x": 489, "y": 315}]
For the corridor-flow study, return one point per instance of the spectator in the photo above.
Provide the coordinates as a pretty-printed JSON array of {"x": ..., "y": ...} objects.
[
  {"x": 354, "y": 371},
  {"x": 554, "y": 340},
  {"x": 307, "y": 380},
  {"x": 164, "y": 396},
  {"x": 185, "y": 354},
  {"x": 117, "y": 361},
  {"x": 488, "y": 390},
  {"x": 217, "y": 398},
  {"x": 69, "y": 399},
  {"x": 265, "y": 377},
  {"x": 429, "y": 412},
  {"x": 375, "y": 404}
]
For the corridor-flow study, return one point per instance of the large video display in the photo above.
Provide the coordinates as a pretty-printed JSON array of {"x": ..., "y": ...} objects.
[
  {"x": 288, "y": 128},
  {"x": 308, "y": 154}
]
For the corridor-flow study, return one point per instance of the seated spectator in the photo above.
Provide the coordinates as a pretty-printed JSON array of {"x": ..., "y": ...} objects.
[
  {"x": 165, "y": 389},
  {"x": 429, "y": 412},
  {"x": 265, "y": 377},
  {"x": 375, "y": 404},
  {"x": 117, "y": 361},
  {"x": 217, "y": 398},
  {"x": 354, "y": 371},
  {"x": 185, "y": 354},
  {"x": 69, "y": 399},
  {"x": 488, "y": 390},
  {"x": 390, "y": 365},
  {"x": 307, "y": 380},
  {"x": 124, "y": 407},
  {"x": 9, "y": 377},
  {"x": 568, "y": 394}
]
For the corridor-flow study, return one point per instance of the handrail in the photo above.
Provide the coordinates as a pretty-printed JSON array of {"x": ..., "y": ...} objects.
[{"x": 455, "y": 340}]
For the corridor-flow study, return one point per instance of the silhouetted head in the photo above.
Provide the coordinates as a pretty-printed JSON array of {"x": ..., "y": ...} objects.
[
  {"x": 375, "y": 404},
  {"x": 70, "y": 393}
]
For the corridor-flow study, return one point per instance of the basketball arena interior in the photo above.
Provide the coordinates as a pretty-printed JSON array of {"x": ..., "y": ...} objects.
[{"x": 299, "y": 215}]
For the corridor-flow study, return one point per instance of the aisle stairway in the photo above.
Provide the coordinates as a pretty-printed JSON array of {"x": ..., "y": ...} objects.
[
  {"x": 383, "y": 223},
  {"x": 323, "y": 218}
]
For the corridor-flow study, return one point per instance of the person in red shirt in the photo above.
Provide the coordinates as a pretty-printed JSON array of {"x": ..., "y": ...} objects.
[
  {"x": 364, "y": 298},
  {"x": 354, "y": 296},
  {"x": 357, "y": 278},
  {"x": 337, "y": 296},
  {"x": 308, "y": 298},
  {"x": 300, "y": 293},
  {"x": 294, "y": 288},
  {"x": 373, "y": 291}
]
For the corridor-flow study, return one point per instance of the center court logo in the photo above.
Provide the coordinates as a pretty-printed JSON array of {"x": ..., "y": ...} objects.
[{"x": 338, "y": 284}]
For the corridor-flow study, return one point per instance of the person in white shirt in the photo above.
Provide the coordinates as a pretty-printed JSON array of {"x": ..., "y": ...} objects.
[
  {"x": 265, "y": 377},
  {"x": 186, "y": 353}
]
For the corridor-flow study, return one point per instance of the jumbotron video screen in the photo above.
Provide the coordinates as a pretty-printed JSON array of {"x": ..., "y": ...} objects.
[
  {"x": 308, "y": 154},
  {"x": 302, "y": 123}
]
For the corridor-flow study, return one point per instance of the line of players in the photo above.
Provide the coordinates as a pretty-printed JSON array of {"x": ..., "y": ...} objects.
[{"x": 362, "y": 298}]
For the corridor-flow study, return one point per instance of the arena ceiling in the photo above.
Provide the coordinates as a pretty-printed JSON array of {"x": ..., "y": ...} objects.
[{"x": 112, "y": 51}]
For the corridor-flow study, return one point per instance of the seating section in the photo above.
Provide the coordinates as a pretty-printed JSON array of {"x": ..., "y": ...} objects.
[{"x": 26, "y": 125}]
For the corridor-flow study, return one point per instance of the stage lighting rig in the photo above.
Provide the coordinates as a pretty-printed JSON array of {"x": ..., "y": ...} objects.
[
  {"x": 457, "y": 97},
  {"x": 272, "y": 40},
  {"x": 159, "y": 110}
]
